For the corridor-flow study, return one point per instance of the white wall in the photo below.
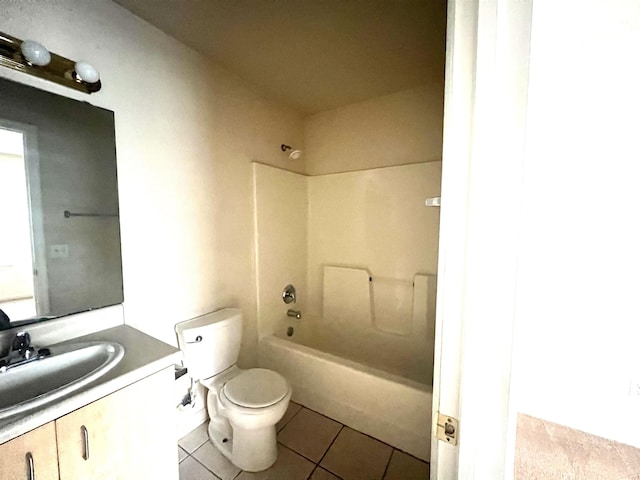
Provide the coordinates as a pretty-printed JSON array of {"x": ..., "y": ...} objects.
[
  {"x": 404, "y": 127},
  {"x": 577, "y": 298},
  {"x": 186, "y": 134},
  {"x": 281, "y": 209}
]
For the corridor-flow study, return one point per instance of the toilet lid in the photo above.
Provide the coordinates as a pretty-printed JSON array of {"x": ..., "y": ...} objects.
[{"x": 256, "y": 388}]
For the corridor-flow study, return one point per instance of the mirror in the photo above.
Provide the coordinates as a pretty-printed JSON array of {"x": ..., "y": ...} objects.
[{"x": 59, "y": 216}]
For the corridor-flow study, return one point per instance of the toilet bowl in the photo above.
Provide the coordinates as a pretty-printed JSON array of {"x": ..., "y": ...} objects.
[
  {"x": 244, "y": 409},
  {"x": 243, "y": 405}
]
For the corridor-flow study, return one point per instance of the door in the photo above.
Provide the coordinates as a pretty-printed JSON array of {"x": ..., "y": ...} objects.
[
  {"x": 538, "y": 234},
  {"x": 31, "y": 456},
  {"x": 483, "y": 155}
]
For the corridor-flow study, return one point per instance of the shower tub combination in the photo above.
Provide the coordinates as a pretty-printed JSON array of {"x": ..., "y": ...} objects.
[
  {"x": 361, "y": 248},
  {"x": 367, "y": 376}
]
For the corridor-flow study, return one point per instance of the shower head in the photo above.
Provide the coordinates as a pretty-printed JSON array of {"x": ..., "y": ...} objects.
[{"x": 294, "y": 154}]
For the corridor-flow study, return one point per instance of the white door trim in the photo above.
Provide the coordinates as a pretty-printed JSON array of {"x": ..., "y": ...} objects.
[{"x": 483, "y": 159}]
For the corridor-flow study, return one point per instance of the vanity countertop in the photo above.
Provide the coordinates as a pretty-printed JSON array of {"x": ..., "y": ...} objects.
[{"x": 144, "y": 356}]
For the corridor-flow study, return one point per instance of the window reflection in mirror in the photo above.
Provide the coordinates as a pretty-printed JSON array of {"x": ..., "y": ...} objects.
[
  {"x": 57, "y": 155},
  {"x": 17, "y": 298}
]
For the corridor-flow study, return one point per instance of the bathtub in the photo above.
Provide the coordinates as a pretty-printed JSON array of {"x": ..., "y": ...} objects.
[{"x": 387, "y": 396}]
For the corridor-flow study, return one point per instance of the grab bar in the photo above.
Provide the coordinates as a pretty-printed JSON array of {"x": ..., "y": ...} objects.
[
  {"x": 390, "y": 280},
  {"x": 68, "y": 214}
]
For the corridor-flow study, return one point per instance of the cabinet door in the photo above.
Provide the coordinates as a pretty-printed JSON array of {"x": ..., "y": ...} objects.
[
  {"x": 128, "y": 434},
  {"x": 40, "y": 445}
]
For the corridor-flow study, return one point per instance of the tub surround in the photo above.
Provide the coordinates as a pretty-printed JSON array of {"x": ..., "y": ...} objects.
[
  {"x": 363, "y": 225},
  {"x": 144, "y": 356}
]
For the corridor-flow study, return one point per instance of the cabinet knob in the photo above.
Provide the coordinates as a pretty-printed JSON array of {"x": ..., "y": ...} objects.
[
  {"x": 31, "y": 471},
  {"x": 85, "y": 440}
]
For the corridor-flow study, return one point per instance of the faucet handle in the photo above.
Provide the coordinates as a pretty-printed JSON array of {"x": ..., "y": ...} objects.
[{"x": 21, "y": 341}]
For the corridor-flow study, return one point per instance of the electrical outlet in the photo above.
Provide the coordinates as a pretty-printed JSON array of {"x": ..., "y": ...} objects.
[
  {"x": 59, "y": 251},
  {"x": 634, "y": 389}
]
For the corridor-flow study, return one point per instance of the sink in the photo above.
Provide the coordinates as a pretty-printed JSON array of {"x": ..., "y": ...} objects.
[{"x": 69, "y": 367}]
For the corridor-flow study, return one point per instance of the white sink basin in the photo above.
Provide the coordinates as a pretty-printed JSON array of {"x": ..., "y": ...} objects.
[{"x": 68, "y": 368}]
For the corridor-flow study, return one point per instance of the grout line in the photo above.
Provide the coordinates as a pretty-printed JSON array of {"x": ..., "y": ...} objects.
[
  {"x": 205, "y": 467},
  {"x": 196, "y": 448},
  {"x": 315, "y": 467},
  {"x": 322, "y": 414},
  {"x": 388, "y": 463},
  {"x": 318, "y": 467},
  {"x": 298, "y": 453},
  {"x": 329, "y": 447},
  {"x": 292, "y": 417},
  {"x": 412, "y": 456},
  {"x": 385, "y": 443}
]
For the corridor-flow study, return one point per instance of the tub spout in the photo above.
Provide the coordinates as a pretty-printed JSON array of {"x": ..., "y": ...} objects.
[{"x": 294, "y": 313}]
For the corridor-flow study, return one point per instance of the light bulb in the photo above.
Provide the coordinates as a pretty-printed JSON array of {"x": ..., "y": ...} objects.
[
  {"x": 35, "y": 53},
  {"x": 86, "y": 72}
]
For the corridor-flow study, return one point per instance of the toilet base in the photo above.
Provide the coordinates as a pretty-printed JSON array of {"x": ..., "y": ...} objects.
[{"x": 249, "y": 450}]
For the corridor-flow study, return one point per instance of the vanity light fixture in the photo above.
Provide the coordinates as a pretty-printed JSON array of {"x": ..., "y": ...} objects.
[
  {"x": 33, "y": 58},
  {"x": 35, "y": 53}
]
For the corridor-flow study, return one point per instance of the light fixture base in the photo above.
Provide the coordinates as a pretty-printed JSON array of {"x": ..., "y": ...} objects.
[{"x": 59, "y": 70}]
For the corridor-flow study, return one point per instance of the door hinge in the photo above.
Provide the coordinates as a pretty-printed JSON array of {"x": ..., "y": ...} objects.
[{"x": 447, "y": 430}]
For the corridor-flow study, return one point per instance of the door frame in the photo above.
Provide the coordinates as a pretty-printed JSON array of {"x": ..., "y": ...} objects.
[
  {"x": 487, "y": 69},
  {"x": 31, "y": 159}
]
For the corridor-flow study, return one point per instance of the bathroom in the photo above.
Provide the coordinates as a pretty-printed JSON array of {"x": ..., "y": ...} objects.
[
  {"x": 188, "y": 152},
  {"x": 187, "y": 128}
]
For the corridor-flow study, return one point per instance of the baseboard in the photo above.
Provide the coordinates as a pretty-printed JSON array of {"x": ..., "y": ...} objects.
[{"x": 189, "y": 420}]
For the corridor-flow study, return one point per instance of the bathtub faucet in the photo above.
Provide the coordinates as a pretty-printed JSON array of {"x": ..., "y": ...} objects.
[{"x": 294, "y": 313}]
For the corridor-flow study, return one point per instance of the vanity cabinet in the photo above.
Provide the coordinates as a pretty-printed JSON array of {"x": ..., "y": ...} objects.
[
  {"x": 129, "y": 434},
  {"x": 40, "y": 445}
]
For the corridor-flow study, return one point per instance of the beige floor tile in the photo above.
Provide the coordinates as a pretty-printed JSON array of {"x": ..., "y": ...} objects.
[
  {"x": 406, "y": 467},
  {"x": 309, "y": 434},
  {"x": 322, "y": 474},
  {"x": 354, "y": 456},
  {"x": 289, "y": 414},
  {"x": 194, "y": 439},
  {"x": 210, "y": 457},
  {"x": 190, "y": 469},
  {"x": 289, "y": 466},
  {"x": 181, "y": 454}
]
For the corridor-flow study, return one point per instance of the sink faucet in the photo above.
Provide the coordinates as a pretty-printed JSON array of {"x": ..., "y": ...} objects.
[
  {"x": 22, "y": 344},
  {"x": 21, "y": 352}
]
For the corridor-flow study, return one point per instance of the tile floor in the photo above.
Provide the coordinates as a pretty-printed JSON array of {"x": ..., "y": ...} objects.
[{"x": 311, "y": 447}]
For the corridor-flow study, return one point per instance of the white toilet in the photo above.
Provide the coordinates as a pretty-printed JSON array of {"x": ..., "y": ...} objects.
[{"x": 243, "y": 405}]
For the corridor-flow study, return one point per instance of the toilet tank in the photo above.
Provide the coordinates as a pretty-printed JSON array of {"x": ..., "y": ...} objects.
[{"x": 211, "y": 342}]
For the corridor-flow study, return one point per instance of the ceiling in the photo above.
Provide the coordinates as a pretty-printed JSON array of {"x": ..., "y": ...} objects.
[{"x": 312, "y": 55}]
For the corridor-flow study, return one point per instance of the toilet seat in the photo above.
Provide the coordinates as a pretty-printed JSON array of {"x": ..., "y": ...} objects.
[{"x": 255, "y": 388}]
